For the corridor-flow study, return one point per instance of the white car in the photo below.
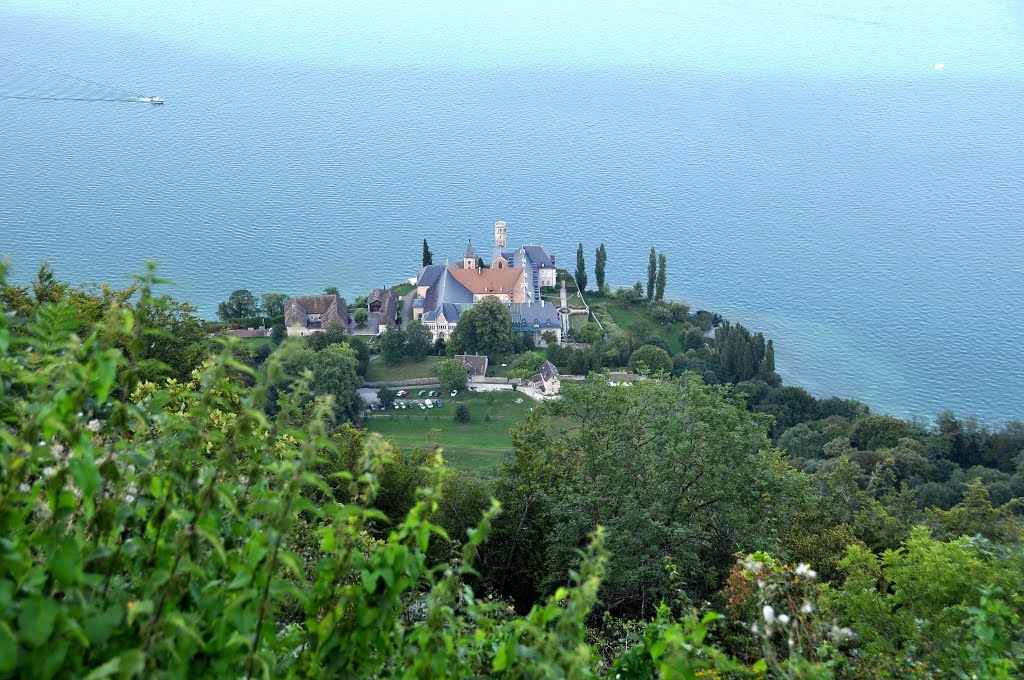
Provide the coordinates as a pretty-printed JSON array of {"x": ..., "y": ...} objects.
[
  {"x": 430, "y": 404},
  {"x": 454, "y": 392}
]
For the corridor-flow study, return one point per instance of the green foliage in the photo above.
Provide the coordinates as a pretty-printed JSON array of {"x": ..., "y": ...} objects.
[
  {"x": 278, "y": 333},
  {"x": 652, "y": 274},
  {"x": 361, "y": 316},
  {"x": 600, "y": 261},
  {"x": 659, "y": 284},
  {"x": 333, "y": 290},
  {"x": 452, "y": 374},
  {"x": 391, "y": 345},
  {"x": 462, "y": 415},
  {"x": 386, "y": 396},
  {"x": 418, "y": 341},
  {"x": 241, "y": 304},
  {"x": 428, "y": 257},
  {"x": 652, "y": 464},
  {"x": 272, "y": 304},
  {"x": 650, "y": 360},
  {"x": 486, "y": 328},
  {"x": 581, "y": 268}
]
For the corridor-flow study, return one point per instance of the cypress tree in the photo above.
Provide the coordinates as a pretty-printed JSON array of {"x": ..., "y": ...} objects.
[
  {"x": 428, "y": 257},
  {"x": 659, "y": 291},
  {"x": 652, "y": 274},
  {"x": 602, "y": 257},
  {"x": 769, "y": 359},
  {"x": 581, "y": 269}
]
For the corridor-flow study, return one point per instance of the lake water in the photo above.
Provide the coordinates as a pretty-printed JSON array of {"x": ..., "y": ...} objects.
[{"x": 808, "y": 172}]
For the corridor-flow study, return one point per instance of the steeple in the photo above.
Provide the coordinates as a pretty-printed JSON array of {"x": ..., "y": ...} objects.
[
  {"x": 499, "y": 235},
  {"x": 469, "y": 258}
]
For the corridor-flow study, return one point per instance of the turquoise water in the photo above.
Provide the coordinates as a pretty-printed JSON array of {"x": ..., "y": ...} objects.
[{"x": 807, "y": 171}]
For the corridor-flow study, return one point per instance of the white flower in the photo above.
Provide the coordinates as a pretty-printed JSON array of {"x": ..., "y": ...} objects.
[
  {"x": 129, "y": 498},
  {"x": 801, "y": 569},
  {"x": 783, "y": 619},
  {"x": 791, "y": 643},
  {"x": 24, "y": 487},
  {"x": 769, "y": 614},
  {"x": 244, "y": 480},
  {"x": 806, "y": 607},
  {"x": 94, "y": 425},
  {"x": 760, "y": 584},
  {"x": 49, "y": 472},
  {"x": 753, "y": 628},
  {"x": 840, "y": 634}
]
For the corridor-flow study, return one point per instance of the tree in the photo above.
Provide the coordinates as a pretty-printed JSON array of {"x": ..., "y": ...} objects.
[
  {"x": 331, "y": 290},
  {"x": 418, "y": 341},
  {"x": 659, "y": 286},
  {"x": 599, "y": 264},
  {"x": 391, "y": 345},
  {"x": 278, "y": 333},
  {"x": 452, "y": 374},
  {"x": 386, "y": 396},
  {"x": 428, "y": 257},
  {"x": 486, "y": 328},
  {"x": 462, "y": 415},
  {"x": 652, "y": 274},
  {"x": 272, "y": 304},
  {"x": 360, "y": 316},
  {"x": 650, "y": 360},
  {"x": 241, "y": 304},
  {"x": 668, "y": 468},
  {"x": 581, "y": 269}
]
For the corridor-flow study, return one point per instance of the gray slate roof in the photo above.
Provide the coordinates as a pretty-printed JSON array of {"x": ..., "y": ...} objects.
[{"x": 534, "y": 316}]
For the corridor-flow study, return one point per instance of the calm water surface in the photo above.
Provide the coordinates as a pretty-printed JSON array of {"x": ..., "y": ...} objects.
[{"x": 806, "y": 171}]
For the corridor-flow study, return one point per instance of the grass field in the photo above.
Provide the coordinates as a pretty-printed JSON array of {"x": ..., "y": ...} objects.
[
  {"x": 407, "y": 370},
  {"x": 626, "y": 316},
  {"x": 478, "y": 445}
]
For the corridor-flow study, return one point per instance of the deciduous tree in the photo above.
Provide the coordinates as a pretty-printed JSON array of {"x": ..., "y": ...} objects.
[
  {"x": 241, "y": 304},
  {"x": 418, "y": 341},
  {"x": 452, "y": 374}
]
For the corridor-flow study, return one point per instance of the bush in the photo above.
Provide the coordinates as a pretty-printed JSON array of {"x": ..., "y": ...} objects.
[{"x": 462, "y": 414}]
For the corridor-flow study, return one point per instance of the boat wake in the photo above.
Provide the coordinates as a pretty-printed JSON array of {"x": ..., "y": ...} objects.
[{"x": 19, "y": 80}]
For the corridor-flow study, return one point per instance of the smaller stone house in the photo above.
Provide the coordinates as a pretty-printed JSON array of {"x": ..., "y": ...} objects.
[
  {"x": 382, "y": 309},
  {"x": 308, "y": 314},
  {"x": 546, "y": 380},
  {"x": 476, "y": 365}
]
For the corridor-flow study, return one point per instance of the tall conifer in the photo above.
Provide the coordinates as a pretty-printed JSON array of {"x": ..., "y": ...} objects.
[
  {"x": 581, "y": 269},
  {"x": 652, "y": 274},
  {"x": 659, "y": 289}
]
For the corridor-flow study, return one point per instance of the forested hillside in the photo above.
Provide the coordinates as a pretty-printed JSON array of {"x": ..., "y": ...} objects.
[{"x": 175, "y": 503}]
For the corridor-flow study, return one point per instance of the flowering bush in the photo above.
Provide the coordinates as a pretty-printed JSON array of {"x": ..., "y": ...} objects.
[{"x": 785, "y": 610}]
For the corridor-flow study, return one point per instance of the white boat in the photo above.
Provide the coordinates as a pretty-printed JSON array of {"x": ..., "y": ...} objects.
[{"x": 153, "y": 100}]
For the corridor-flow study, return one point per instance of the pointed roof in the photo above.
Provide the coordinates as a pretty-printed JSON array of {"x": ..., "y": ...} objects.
[{"x": 469, "y": 250}]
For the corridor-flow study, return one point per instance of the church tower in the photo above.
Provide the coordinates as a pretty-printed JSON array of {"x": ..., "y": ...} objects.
[
  {"x": 499, "y": 235},
  {"x": 469, "y": 258}
]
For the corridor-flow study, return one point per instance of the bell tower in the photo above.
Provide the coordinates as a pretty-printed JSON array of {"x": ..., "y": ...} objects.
[
  {"x": 499, "y": 235},
  {"x": 469, "y": 260}
]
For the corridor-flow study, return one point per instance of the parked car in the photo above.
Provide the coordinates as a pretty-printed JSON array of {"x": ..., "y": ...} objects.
[
  {"x": 421, "y": 393},
  {"x": 430, "y": 404},
  {"x": 373, "y": 407},
  {"x": 402, "y": 393},
  {"x": 454, "y": 392},
  {"x": 437, "y": 403},
  {"x": 434, "y": 394},
  {"x": 422, "y": 407}
]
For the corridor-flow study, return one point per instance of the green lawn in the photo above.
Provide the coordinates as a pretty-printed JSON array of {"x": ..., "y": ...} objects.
[
  {"x": 402, "y": 289},
  {"x": 478, "y": 445},
  {"x": 255, "y": 342},
  {"x": 407, "y": 370},
  {"x": 626, "y": 316}
]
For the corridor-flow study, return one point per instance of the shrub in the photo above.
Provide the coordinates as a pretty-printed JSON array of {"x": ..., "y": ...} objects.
[{"x": 462, "y": 414}]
